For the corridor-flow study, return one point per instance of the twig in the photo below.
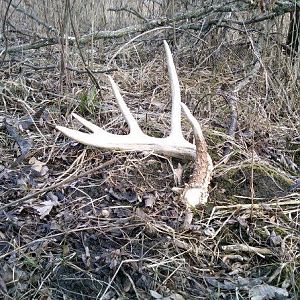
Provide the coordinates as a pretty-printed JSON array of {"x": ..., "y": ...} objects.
[
  {"x": 246, "y": 248},
  {"x": 55, "y": 66},
  {"x": 254, "y": 206},
  {"x": 129, "y": 10},
  {"x": 231, "y": 99},
  {"x": 133, "y": 39},
  {"x": 31, "y": 16},
  {"x": 91, "y": 75}
]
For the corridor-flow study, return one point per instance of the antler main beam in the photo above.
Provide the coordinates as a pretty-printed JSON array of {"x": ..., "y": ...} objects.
[{"x": 174, "y": 145}]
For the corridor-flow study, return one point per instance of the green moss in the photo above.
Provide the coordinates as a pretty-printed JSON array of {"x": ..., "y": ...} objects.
[
  {"x": 262, "y": 233},
  {"x": 279, "y": 231},
  {"x": 267, "y": 183}
]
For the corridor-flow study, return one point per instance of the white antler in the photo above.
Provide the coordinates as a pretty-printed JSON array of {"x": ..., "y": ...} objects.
[{"x": 173, "y": 145}]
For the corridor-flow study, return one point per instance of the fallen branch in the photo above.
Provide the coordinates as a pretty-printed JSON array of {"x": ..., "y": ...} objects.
[
  {"x": 280, "y": 8},
  {"x": 247, "y": 248},
  {"x": 231, "y": 95}
]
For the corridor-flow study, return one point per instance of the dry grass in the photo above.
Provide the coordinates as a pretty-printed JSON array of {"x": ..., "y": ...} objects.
[{"x": 115, "y": 232}]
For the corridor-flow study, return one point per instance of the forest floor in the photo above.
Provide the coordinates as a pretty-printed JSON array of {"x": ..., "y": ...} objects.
[{"x": 83, "y": 223}]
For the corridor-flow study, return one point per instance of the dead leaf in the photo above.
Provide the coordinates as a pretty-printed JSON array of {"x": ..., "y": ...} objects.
[
  {"x": 209, "y": 231},
  {"x": 109, "y": 295},
  {"x": 295, "y": 186},
  {"x": 275, "y": 240},
  {"x": 141, "y": 214},
  {"x": 149, "y": 200},
  {"x": 242, "y": 221},
  {"x": 23, "y": 145},
  {"x": 51, "y": 197},
  {"x": 28, "y": 121},
  {"x": 227, "y": 285},
  {"x": 129, "y": 195},
  {"x": 188, "y": 218},
  {"x": 44, "y": 208},
  {"x": 39, "y": 167},
  {"x": 155, "y": 294},
  {"x": 4, "y": 174},
  {"x": 265, "y": 291},
  {"x": 173, "y": 297}
]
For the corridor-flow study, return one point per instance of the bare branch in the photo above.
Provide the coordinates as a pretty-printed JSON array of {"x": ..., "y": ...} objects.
[
  {"x": 32, "y": 16},
  {"x": 129, "y": 10},
  {"x": 279, "y": 8}
]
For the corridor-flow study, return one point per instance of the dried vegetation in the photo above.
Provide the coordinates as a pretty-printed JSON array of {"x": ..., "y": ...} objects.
[{"x": 82, "y": 223}]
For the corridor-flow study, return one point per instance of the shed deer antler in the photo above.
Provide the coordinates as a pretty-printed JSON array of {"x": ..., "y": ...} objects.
[{"x": 174, "y": 145}]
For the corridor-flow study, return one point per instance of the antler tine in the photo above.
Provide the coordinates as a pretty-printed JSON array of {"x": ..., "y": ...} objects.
[
  {"x": 94, "y": 128},
  {"x": 176, "y": 131},
  {"x": 131, "y": 121},
  {"x": 81, "y": 137},
  {"x": 85, "y": 138},
  {"x": 195, "y": 124}
]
